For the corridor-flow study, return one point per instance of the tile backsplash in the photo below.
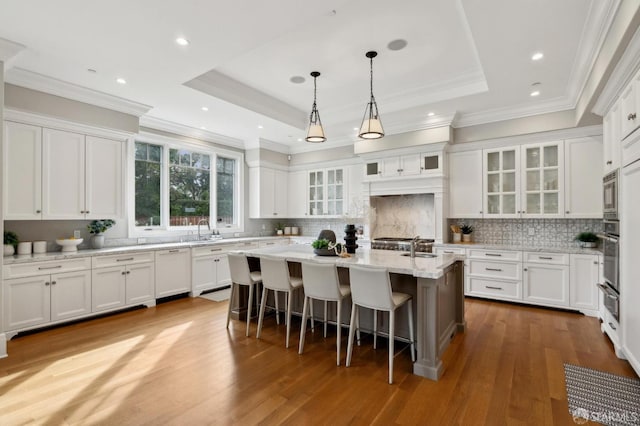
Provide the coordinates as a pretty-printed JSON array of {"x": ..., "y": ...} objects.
[{"x": 551, "y": 233}]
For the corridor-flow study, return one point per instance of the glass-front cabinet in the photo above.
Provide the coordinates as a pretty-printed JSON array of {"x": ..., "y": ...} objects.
[
  {"x": 543, "y": 180},
  {"x": 502, "y": 182},
  {"x": 326, "y": 192}
]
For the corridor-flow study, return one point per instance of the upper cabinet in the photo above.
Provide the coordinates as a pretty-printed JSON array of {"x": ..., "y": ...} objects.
[
  {"x": 268, "y": 197},
  {"x": 542, "y": 180},
  {"x": 611, "y": 143},
  {"x": 630, "y": 107},
  {"x": 327, "y": 192},
  {"x": 583, "y": 184},
  {"x": 61, "y": 175},
  {"x": 407, "y": 165},
  {"x": 465, "y": 184},
  {"x": 501, "y": 182}
]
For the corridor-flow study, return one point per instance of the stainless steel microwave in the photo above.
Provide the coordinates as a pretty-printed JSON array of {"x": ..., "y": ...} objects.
[{"x": 610, "y": 195}]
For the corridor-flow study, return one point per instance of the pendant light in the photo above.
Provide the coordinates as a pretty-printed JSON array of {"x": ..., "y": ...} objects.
[
  {"x": 315, "y": 132},
  {"x": 371, "y": 127}
]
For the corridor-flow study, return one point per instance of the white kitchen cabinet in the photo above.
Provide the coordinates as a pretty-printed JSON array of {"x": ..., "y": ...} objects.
[
  {"x": 42, "y": 299},
  {"x": 297, "y": 194},
  {"x": 630, "y": 107},
  {"x": 327, "y": 192},
  {"x": 210, "y": 268},
  {"x": 357, "y": 204},
  {"x": 268, "y": 197},
  {"x": 55, "y": 174},
  {"x": 583, "y": 180},
  {"x": 122, "y": 280},
  {"x": 629, "y": 255},
  {"x": 546, "y": 279},
  {"x": 501, "y": 180},
  {"x": 465, "y": 184},
  {"x": 406, "y": 165},
  {"x": 542, "y": 192},
  {"x": 494, "y": 274},
  {"x": 373, "y": 170},
  {"x": 22, "y": 171},
  {"x": 173, "y": 272},
  {"x": 583, "y": 279},
  {"x": 611, "y": 139}
]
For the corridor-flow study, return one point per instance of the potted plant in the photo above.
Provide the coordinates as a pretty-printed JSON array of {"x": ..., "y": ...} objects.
[
  {"x": 96, "y": 229},
  {"x": 466, "y": 232},
  {"x": 10, "y": 243},
  {"x": 324, "y": 247},
  {"x": 587, "y": 239},
  {"x": 279, "y": 229}
]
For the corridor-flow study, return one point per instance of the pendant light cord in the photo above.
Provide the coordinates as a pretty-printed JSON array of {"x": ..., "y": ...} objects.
[{"x": 371, "y": 75}]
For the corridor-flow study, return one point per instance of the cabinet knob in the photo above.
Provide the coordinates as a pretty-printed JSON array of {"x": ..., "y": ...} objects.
[
  {"x": 525, "y": 269},
  {"x": 53, "y": 283},
  {"x": 87, "y": 212},
  {"x": 124, "y": 272},
  {"x": 609, "y": 162},
  {"x": 567, "y": 212},
  {"x": 128, "y": 272},
  {"x": 631, "y": 116},
  {"x": 523, "y": 212},
  {"x": 46, "y": 283},
  {"x": 38, "y": 211},
  {"x": 380, "y": 173},
  {"x": 595, "y": 262}
]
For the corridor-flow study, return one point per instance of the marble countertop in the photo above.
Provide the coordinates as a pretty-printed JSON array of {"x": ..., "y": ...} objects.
[
  {"x": 571, "y": 250},
  {"x": 431, "y": 267},
  {"x": 58, "y": 255}
]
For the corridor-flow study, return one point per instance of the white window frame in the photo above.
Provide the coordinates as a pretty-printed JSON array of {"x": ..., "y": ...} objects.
[{"x": 201, "y": 147}]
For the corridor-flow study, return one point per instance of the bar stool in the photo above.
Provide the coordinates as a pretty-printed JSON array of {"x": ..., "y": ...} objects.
[
  {"x": 275, "y": 276},
  {"x": 241, "y": 275},
  {"x": 320, "y": 282},
  {"x": 371, "y": 288}
]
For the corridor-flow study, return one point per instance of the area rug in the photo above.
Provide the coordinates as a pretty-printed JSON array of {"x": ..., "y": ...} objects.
[
  {"x": 602, "y": 397},
  {"x": 218, "y": 295}
]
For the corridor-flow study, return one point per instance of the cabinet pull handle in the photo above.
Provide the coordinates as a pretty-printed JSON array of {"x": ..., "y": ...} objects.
[
  {"x": 269, "y": 244},
  {"x": 613, "y": 327},
  {"x": 525, "y": 269},
  {"x": 53, "y": 283},
  {"x": 216, "y": 249},
  {"x": 595, "y": 262},
  {"x": 493, "y": 254},
  {"x": 128, "y": 272},
  {"x": 38, "y": 211},
  {"x": 46, "y": 283},
  {"x": 174, "y": 251},
  {"x": 567, "y": 212},
  {"x": 609, "y": 162},
  {"x": 49, "y": 267},
  {"x": 490, "y": 287},
  {"x": 87, "y": 212},
  {"x": 124, "y": 260},
  {"x": 494, "y": 269},
  {"x": 631, "y": 116},
  {"x": 545, "y": 258},
  {"x": 447, "y": 251},
  {"x": 124, "y": 272}
]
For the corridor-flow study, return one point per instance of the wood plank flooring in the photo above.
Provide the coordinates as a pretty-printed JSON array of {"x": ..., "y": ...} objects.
[{"x": 177, "y": 364}]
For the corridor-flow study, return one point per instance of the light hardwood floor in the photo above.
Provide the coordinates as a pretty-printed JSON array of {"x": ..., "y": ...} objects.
[{"x": 177, "y": 364}]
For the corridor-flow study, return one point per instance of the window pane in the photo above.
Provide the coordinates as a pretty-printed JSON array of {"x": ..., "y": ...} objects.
[
  {"x": 155, "y": 153},
  {"x": 189, "y": 189},
  {"x": 225, "y": 191},
  {"x": 147, "y": 182}
]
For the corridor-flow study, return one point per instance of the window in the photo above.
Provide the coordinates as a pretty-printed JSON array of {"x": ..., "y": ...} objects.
[
  {"x": 225, "y": 178},
  {"x": 176, "y": 186},
  {"x": 148, "y": 176},
  {"x": 189, "y": 187}
]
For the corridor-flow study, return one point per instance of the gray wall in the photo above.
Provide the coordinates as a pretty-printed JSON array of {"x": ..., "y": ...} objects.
[{"x": 23, "y": 99}]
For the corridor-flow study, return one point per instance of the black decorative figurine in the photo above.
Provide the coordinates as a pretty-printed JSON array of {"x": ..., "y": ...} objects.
[{"x": 350, "y": 238}]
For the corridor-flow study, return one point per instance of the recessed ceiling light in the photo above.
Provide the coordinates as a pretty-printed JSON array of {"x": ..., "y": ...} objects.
[
  {"x": 297, "y": 79},
  {"x": 121, "y": 80},
  {"x": 397, "y": 44},
  {"x": 204, "y": 109},
  {"x": 260, "y": 126},
  {"x": 537, "y": 56},
  {"x": 431, "y": 114},
  {"x": 203, "y": 128},
  {"x": 535, "y": 93},
  {"x": 182, "y": 41}
]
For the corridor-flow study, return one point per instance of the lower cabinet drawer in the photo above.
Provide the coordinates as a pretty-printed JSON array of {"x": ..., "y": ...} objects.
[
  {"x": 493, "y": 288},
  {"x": 448, "y": 250},
  {"x": 503, "y": 270}
]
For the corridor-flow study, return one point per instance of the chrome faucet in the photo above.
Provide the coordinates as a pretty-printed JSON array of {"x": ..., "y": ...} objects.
[
  {"x": 199, "y": 223},
  {"x": 412, "y": 249}
]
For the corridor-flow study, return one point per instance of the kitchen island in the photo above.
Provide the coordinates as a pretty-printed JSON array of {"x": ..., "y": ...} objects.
[{"x": 436, "y": 283}]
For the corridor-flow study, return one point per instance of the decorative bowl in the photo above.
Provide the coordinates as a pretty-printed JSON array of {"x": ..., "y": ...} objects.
[
  {"x": 325, "y": 252},
  {"x": 69, "y": 244}
]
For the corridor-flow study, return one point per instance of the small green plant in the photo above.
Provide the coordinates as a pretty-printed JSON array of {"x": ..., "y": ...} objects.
[
  {"x": 10, "y": 238},
  {"x": 99, "y": 226},
  {"x": 279, "y": 226},
  {"x": 466, "y": 229},
  {"x": 326, "y": 244},
  {"x": 587, "y": 237}
]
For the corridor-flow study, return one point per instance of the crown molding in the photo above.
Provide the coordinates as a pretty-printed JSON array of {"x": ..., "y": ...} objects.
[
  {"x": 620, "y": 77},
  {"x": 551, "y": 135},
  {"x": 190, "y": 132},
  {"x": 599, "y": 21},
  {"x": 8, "y": 51},
  {"x": 561, "y": 103},
  {"x": 42, "y": 83},
  {"x": 267, "y": 144}
]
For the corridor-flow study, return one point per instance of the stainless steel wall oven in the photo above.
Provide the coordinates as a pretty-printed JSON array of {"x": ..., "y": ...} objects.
[{"x": 611, "y": 285}]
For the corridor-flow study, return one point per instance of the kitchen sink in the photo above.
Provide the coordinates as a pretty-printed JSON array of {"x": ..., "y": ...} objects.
[{"x": 428, "y": 255}]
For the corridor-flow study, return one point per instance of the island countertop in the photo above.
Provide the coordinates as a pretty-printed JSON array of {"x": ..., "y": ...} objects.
[{"x": 394, "y": 261}]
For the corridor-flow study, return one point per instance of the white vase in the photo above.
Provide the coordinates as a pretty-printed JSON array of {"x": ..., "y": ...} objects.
[
  {"x": 9, "y": 250},
  {"x": 466, "y": 238},
  {"x": 457, "y": 237},
  {"x": 97, "y": 241}
]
